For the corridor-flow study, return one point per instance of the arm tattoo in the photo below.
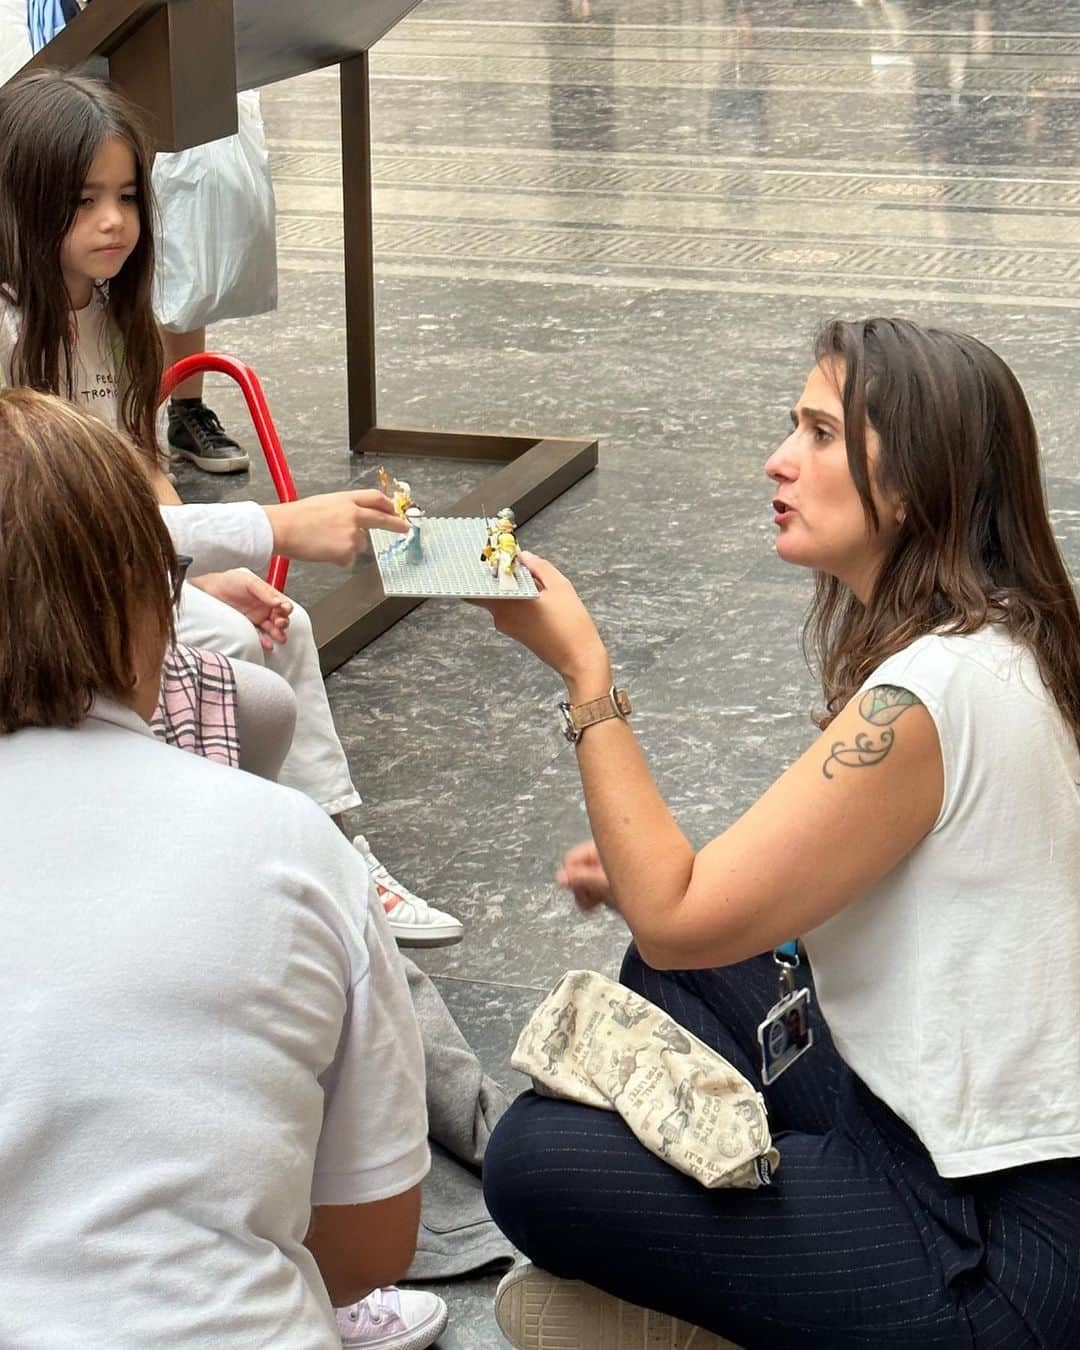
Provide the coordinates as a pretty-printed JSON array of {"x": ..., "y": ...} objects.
[{"x": 880, "y": 707}]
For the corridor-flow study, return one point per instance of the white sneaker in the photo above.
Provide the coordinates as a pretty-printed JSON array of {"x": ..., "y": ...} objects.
[
  {"x": 393, "y": 1319},
  {"x": 536, "y": 1311},
  {"x": 413, "y": 921}
]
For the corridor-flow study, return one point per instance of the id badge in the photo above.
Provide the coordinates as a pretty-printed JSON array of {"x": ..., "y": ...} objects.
[{"x": 785, "y": 1034}]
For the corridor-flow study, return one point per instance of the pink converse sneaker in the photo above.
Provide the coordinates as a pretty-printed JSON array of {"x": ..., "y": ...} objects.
[{"x": 392, "y": 1319}]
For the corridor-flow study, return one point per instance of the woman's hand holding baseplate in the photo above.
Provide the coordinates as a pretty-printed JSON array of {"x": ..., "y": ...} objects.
[{"x": 558, "y": 629}]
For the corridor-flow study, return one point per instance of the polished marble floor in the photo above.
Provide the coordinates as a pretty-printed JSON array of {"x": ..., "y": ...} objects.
[{"x": 625, "y": 218}]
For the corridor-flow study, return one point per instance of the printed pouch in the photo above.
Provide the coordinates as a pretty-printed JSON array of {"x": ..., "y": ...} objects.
[{"x": 596, "y": 1042}]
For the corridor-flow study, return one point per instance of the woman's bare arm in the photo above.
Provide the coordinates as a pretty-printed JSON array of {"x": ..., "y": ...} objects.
[{"x": 832, "y": 825}]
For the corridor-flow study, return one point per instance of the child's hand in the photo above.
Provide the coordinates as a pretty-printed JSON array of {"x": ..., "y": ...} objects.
[
  {"x": 254, "y": 598},
  {"x": 333, "y": 526}
]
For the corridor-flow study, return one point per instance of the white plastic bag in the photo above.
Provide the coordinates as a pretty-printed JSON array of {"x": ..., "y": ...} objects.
[
  {"x": 217, "y": 251},
  {"x": 14, "y": 38}
]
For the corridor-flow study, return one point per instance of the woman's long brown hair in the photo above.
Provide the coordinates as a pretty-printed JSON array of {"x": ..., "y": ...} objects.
[
  {"x": 51, "y": 126},
  {"x": 960, "y": 451}
]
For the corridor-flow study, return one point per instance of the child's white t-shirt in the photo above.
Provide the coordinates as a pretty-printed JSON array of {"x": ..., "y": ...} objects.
[
  {"x": 951, "y": 988},
  {"x": 94, "y": 386},
  {"x": 215, "y": 535},
  {"x": 207, "y": 1029}
]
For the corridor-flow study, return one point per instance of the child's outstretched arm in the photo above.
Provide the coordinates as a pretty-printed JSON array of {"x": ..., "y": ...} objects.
[
  {"x": 333, "y": 526},
  {"x": 330, "y": 527}
]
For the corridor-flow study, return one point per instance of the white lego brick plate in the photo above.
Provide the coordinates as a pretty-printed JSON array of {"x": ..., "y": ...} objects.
[{"x": 451, "y": 566}]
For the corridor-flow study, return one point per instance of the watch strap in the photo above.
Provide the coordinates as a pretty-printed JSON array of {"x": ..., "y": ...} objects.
[{"x": 578, "y": 716}]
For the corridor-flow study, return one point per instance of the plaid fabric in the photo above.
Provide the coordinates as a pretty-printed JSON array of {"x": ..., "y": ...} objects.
[{"x": 197, "y": 707}]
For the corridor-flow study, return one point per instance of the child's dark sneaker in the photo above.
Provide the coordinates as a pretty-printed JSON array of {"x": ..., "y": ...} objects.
[{"x": 195, "y": 433}]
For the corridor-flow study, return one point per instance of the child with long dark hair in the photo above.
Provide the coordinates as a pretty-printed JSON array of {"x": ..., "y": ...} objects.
[
  {"x": 59, "y": 260},
  {"x": 76, "y": 275}
]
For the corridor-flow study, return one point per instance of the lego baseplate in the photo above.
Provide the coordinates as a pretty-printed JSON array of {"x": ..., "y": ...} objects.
[{"x": 451, "y": 565}]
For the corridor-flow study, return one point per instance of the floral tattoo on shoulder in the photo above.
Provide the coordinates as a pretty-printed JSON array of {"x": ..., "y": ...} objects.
[{"x": 881, "y": 707}]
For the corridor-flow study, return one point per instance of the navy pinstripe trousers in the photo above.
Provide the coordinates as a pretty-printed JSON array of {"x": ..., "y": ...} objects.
[{"x": 857, "y": 1245}]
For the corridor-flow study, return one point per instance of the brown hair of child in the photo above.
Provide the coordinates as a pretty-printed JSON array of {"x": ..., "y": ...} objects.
[{"x": 87, "y": 569}]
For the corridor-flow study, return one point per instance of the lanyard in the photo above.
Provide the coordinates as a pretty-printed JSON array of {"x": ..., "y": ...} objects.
[
  {"x": 786, "y": 957},
  {"x": 786, "y": 1034}
]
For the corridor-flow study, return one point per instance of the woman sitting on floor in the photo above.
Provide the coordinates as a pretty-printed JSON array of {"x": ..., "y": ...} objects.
[
  {"x": 927, "y": 849},
  {"x": 207, "y": 1028}
]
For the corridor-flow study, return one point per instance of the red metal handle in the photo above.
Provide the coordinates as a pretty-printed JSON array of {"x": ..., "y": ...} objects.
[{"x": 263, "y": 423}]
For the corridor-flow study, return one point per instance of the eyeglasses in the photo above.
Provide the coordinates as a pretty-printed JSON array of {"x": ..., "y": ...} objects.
[{"x": 183, "y": 562}]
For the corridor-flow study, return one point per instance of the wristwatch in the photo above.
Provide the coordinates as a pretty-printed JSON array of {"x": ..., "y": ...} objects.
[{"x": 615, "y": 703}]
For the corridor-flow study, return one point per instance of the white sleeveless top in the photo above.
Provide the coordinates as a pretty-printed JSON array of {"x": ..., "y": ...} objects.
[{"x": 952, "y": 988}]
